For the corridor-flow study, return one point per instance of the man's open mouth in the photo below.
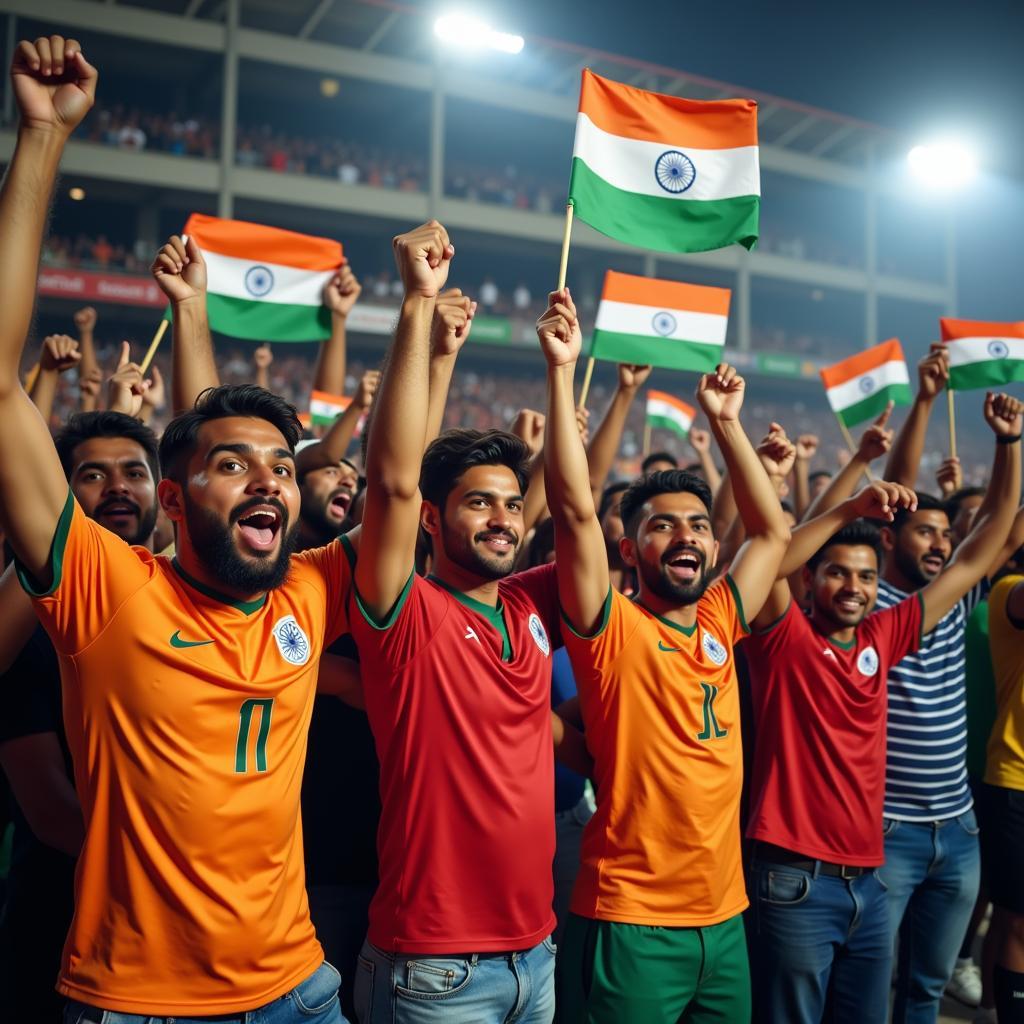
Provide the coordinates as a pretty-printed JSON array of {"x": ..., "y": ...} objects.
[
  {"x": 259, "y": 526},
  {"x": 685, "y": 565}
]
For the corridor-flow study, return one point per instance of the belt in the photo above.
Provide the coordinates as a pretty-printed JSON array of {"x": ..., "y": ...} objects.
[{"x": 780, "y": 855}]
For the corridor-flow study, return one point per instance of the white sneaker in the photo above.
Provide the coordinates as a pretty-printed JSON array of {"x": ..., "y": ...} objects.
[{"x": 965, "y": 985}]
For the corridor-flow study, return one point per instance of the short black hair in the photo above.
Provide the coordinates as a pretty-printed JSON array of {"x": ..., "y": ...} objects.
[
  {"x": 666, "y": 481},
  {"x": 818, "y": 474},
  {"x": 179, "y": 438},
  {"x": 654, "y": 457},
  {"x": 455, "y": 451},
  {"x": 957, "y": 498},
  {"x": 608, "y": 496},
  {"x": 84, "y": 426},
  {"x": 859, "y": 533},
  {"x": 925, "y": 503}
]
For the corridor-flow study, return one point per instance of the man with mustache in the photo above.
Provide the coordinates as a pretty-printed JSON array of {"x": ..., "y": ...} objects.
[
  {"x": 655, "y": 932},
  {"x": 820, "y": 924},
  {"x": 457, "y": 679},
  {"x": 188, "y": 685}
]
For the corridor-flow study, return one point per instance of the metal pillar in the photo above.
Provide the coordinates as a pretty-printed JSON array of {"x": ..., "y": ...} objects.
[
  {"x": 871, "y": 254},
  {"x": 743, "y": 340},
  {"x": 229, "y": 110},
  {"x": 436, "y": 182}
]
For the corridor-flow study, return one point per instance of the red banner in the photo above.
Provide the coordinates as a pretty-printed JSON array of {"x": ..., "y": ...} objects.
[{"x": 90, "y": 286}]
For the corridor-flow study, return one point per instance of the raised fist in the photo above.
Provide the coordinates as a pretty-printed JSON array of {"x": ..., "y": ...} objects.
[
  {"x": 59, "y": 353},
  {"x": 882, "y": 500},
  {"x": 877, "y": 439},
  {"x": 54, "y": 84},
  {"x": 1003, "y": 414},
  {"x": 341, "y": 292},
  {"x": 368, "y": 384},
  {"x": 262, "y": 356},
  {"x": 633, "y": 376},
  {"x": 559, "y": 330},
  {"x": 529, "y": 426},
  {"x": 453, "y": 320},
  {"x": 180, "y": 271},
  {"x": 933, "y": 371},
  {"x": 423, "y": 257},
  {"x": 85, "y": 320},
  {"x": 720, "y": 394}
]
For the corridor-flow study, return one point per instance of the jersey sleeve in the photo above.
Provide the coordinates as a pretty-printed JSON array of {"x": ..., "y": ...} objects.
[
  {"x": 540, "y": 587},
  {"x": 592, "y": 656},
  {"x": 897, "y": 630},
  {"x": 724, "y": 606},
  {"x": 93, "y": 572},
  {"x": 771, "y": 641},
  {"x": 408, "y": 628},
  {"x": 997, "y": 601},
  {"x": 335, "y": 564}
]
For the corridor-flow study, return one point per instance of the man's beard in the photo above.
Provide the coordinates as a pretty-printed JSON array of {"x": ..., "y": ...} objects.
[
  {"x": 911, "y": 569},
  {"x": 469, "y": 558},
  {"x": 146, "y": 518},
  {"x": 215, "y": 547},
  {"x": 659, "y": 582},
  {"x": 317, "y": 524}
]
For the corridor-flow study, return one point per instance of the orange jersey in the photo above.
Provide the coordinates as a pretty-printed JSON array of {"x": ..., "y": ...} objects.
[
  {"x": 661, "y": 712},
  {"x": 186, "y": 716}
]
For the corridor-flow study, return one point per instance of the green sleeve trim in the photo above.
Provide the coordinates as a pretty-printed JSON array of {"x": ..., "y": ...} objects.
[
  {"x": 350, "y": 552},
  {"x": 775, "y": 623},
  {"x": 389, "y": 620},
  {"x": 920, "y": 627},
  {"x": 605, "y": 616},
  {"x": 739, "y": 602},
  {"x": 56, "y": 561}
]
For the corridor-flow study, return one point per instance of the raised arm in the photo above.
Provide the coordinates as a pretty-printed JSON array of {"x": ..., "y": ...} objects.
[
  {"x": 180, "y": 271},
  {"x": 85, "y": 324},
  {"x": 528, "y": 426},
  {"x": 60, "y": 353},
  {"x": 262, "y": 357},
  {"x": 905, "y": 457},
  {"x": 126, "y": 389},
  {"x": 700, "y": 442},
  {"x": 583, "y": 581},
  {"x": 453, "y": 321},
  {"x": 604, "y": 445},
  {"x": 331, "y": 448},
  {"x": 54, "y": 86},
  {"x": 399, "y": 425},
  {"x": 993, "y": 520},
  {"x": 754, "y": 570},
  {"x": 806, "y": 448},
  {"x": 340, "y": 295}
]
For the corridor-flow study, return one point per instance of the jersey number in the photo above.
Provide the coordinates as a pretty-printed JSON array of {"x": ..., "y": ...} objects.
[
  {"x": 245, "y": 715},
  {"x": 711, "y": 730}
]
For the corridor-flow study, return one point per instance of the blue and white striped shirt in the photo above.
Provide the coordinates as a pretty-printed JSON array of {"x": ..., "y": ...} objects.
[{"x": 926, "y": 758}]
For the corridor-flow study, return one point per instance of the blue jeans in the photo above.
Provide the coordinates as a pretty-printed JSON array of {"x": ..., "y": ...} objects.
[
  {"x": 932, "y": 870},
  {"x": 314, "y": 1001},
  {"x": 817, "y": 941},
  {"x": 484, "y": 988}
]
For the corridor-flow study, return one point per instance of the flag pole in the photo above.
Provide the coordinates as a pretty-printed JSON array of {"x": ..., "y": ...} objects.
[
  {"x": 853, "y": 448},
  {"x": 563, "y": 269},
  {"x": 952, "y": 422},
  {"x": 31, "y": 377},
  {"x": 153, "y": 346},
  {"x": 647, "y": 438}
]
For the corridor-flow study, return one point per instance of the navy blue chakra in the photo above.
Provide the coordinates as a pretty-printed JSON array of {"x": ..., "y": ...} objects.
[
  {"x": 259, "y": 281},
  {"x": 663, "y": 323},
  {"x": 998, "y": 349},
  {"x": 674, "y": 171}
]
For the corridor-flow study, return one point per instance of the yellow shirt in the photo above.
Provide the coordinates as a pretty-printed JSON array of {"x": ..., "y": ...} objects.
[
  {"x": 1004, "y": 765},
  {"x": 186, "y": 716}
]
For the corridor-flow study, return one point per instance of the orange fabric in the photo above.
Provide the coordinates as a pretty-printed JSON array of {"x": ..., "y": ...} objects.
[
  {"x": 953, "y": 329},
  {"x": 187, "y": 722},
  {"x": 662, "y": 721},
  {"x": 246, "y": 241},
  {"x": 650, "y": 291},
  {"x": 862, "y": 362},
  {"x": 654, "y": 117},
  {"x": 676, "y": 403}
]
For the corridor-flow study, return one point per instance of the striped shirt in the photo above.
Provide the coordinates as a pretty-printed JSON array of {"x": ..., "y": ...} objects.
[{"x": 926, "y": 757}]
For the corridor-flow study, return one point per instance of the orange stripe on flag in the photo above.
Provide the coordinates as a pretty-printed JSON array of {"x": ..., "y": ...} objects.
[
  {"x": 953, "y": 329},
  {"x": 654, "y": 117},
  {"x": 664, "y": 396},
  {"x": 328, "y": 398},
  {"x": 863, "y": 362},
  {"x": 650, "y": 291},
  {"x": 245, "y": 241}
]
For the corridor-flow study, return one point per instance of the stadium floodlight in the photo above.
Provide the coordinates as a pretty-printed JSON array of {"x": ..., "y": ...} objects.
[
  {"x": 465, "y": 30},
  {"x": 945, "y": 164}
]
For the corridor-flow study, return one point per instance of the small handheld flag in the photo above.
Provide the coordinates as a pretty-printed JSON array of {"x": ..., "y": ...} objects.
[
  {"x": 325, "y": 408},
  {"x": 663, "y": 323},
  {"x": 860, "y": 387},
  {"x": 983, "y": 354},
  {"x": 665, "y": 173},
  {"x": 666, "y": 412}
]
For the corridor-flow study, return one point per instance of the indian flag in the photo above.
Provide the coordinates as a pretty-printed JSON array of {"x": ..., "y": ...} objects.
[
  {"x": 325, "y": 408},
  {"x": 983, "y": 354},
  {"x": 665, "y": 173},
  {"x": 664, "y": 323},
  {"x": 859, "y": 388},
  {"x": 666, "y": 412},
  {"x": 265, "y": 284}
]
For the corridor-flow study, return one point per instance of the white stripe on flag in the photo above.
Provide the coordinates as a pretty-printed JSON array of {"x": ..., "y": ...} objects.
[
  {"x": 259, "y": 281},
  {"x": 669, "y": 412},
  {"x": 854, "y": 390},
  {"x": 963, "y": 351},
  {"x": 629, "y": 164},
  {"x": 631, "y": 318}
]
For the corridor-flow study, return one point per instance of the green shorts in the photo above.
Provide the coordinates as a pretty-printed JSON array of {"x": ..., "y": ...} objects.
[{"x": 612, "y": 973}]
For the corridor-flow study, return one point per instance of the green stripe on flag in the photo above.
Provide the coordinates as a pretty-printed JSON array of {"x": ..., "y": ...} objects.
[
  {"x": 669, "y": 353},
  {"x": 665, "y": 423},
  {"x": 266, "y": 321},
  {"x": 667, "y": 225},
  {"x": 872, "y": 406},
  {"x": 988, "y": 374}
]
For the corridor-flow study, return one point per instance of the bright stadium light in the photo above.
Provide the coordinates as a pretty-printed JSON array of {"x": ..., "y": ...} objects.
[
  {"x": 946, "y": 164},
  {"x": 465, "y": 30}
]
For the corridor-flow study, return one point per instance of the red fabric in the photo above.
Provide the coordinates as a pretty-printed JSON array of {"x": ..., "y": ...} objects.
[{"x": 818, "y": 777}]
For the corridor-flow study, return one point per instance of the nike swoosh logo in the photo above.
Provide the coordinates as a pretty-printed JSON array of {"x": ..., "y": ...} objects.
[
  {"x": 670, "y": 650},
  {"x": 176, "y": 641}
]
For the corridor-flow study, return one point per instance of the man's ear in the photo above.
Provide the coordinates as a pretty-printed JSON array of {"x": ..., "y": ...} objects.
[
  {"x": 430, "y": 519},
  {"x": 172, "y": 499},
  {"x": 888, "y": 535},
  {"x": 627, "y": 549}
]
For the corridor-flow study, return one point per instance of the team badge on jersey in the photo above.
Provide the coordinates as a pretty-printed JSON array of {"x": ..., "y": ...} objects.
[
  {"x": 867, "y": 661},
  {"x": 539, "y": 634},
  {"x": 714, "y": 650},
  {"x": 292, "y": 642}
]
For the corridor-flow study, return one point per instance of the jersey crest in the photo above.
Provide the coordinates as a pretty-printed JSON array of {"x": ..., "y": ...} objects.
[
  {"x": 867, "y": 661},
  {"x": 539, "y": 634},
  {"x": 292, "y": 642},
  {"x": 715, "y": 650}
]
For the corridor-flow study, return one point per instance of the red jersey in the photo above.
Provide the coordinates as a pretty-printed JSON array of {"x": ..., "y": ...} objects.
[
  {"x": 458, "y": 696},
  {"x": 818, "y": 777}
]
